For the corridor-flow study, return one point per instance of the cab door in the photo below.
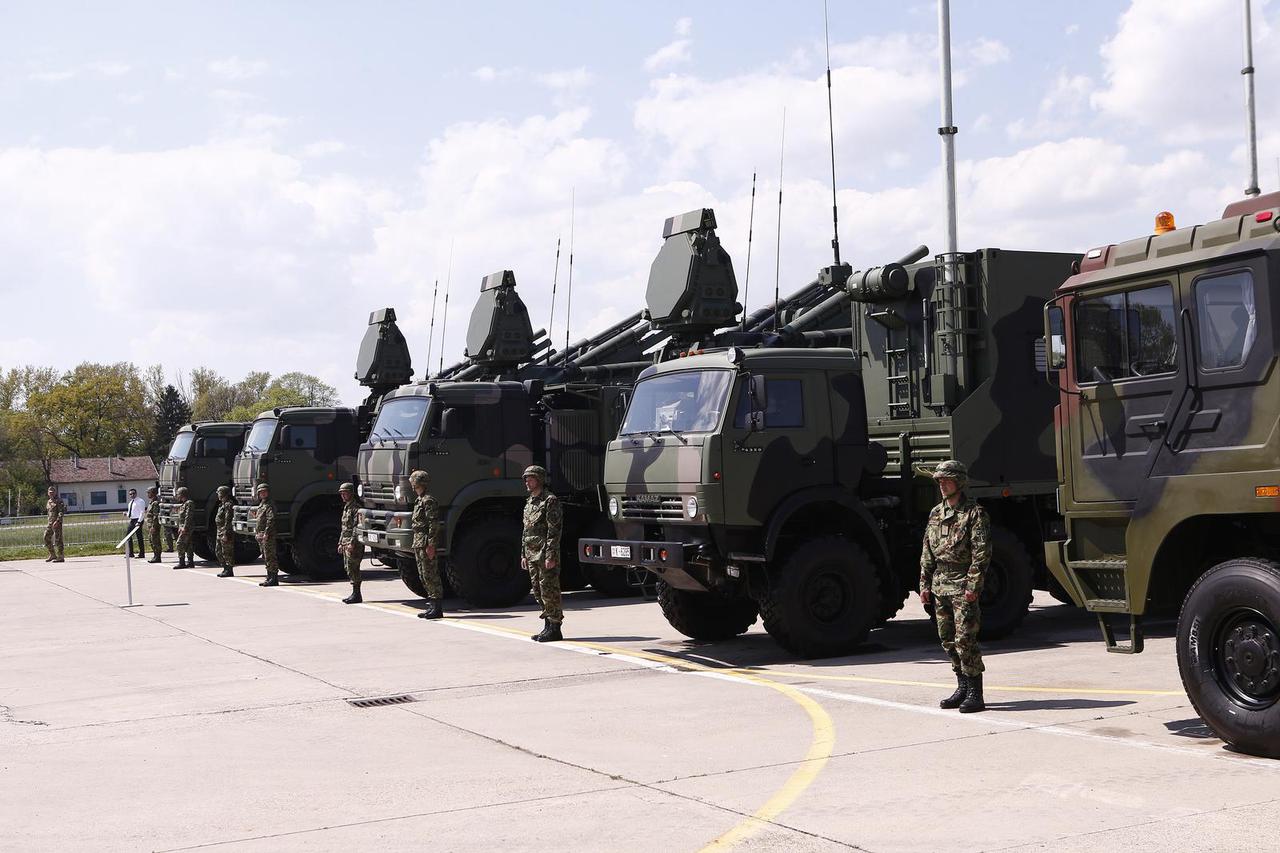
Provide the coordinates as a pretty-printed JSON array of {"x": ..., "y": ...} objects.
[
  {"x": 1126, "y": 372},
  {"x": 791, "y": 450}
]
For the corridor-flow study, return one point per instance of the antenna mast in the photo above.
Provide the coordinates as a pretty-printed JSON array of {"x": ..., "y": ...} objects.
[
  {"x": 751, "y": 221},
  {"x": 948, "y": 132},
  {"x": 555, "y": 276},
  {"x": 777, "y": 256},
  {"x": 444, "y": 321},
  {"x": 1252, "y": 120},
  {"x": 568, "y": 297},
  {"x": 831, "y": 133},
  {"x": 431, "y": 335}
]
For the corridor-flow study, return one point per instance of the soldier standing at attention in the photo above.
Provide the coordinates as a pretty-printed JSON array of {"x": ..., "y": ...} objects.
[
  {"x": 266, "y": 535},
  {"x": 186, "y": 520},
  {"x": 540, "y": 550},
  {"x": 957, "y": 550},
  {"x": 226, "y": 536},
  {"x": 153, "y": 523},
  {"x": 426, "y": 530},
  {"x": 53, "y": 530},
  {"x": 168, "y": 539},
  {"x": 351, "y": 549}
]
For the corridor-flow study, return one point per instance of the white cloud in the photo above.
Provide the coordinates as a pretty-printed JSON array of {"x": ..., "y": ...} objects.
[
  {"x": 131, "y": 98},
  {"x": 324, "y": 148},
  {"x": 108, "y": 69},
  {"x": 684, "y": 26},
  {"x": 237, "y": 68},
  {"x": 1061, "y": 109},
  {"x": 574, "y": 78},
  {"x": 1071, "y": 29},
  {"x": 52, "y": 76},
  {"x": 677, "y": 52},
  {"x": 985, "y": 51}
]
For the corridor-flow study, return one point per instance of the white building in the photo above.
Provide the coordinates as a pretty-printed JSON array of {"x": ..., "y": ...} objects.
[{"x": 101, "y": 485}]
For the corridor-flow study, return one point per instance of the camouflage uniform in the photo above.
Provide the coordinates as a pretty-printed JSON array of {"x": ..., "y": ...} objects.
[
  {"x": 543, "y": 522},
  {"x": 426, "y": 530},
  {"x": 152, "y": 524},
  {"x": 53, "y": 530},
  {"x": 265, "y": 532},
  {"x": 226, "y": 537},
  {"x": 351, "y": 548},
  {"x": 957, "y": 549},
  {"x": 186, "y": 518},
  {"x": 168, "y": 539}
]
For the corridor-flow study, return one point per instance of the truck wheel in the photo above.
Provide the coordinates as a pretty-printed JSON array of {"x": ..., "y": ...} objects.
[
  {"x": 1058, "y": 591},
  {"x": 285, "y": 559},
  {"x": 204, "y": 546},
  {"x": 408, "y": 568},
  {"x": 1006, "y": 590},
  {"x": 247, "y": 550},
  {"x": 484, "y": 564},
  {"x": 610, "y": 581},
  {"x": 705, "y": 615},
  {"x": 1229, "y": 653},
  {"x": 316, "y": 548},
  {"x": 825, "y": 600}
]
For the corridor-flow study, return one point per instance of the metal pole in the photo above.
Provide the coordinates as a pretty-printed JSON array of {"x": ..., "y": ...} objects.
[
  {"x": 948, "y": 132},
  {"x": 1251, "y": 120}
]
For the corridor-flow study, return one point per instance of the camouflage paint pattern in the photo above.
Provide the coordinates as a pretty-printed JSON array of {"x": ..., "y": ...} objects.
[
  {"x": 956, "y": 550},
  {"x": 225, "y": 536},
  {"x": 265, "y": 533},
  {"x": 351, "y": 549},
  {"x": 55, "y": 508},
  {"x": 153, "y": 526},
  {"x": 186, "y": 528},
  {"x": 426, "y": 533},
  {"x": 543, "y": 522},
  {"x": 200, "y": 474},
  {"x": 958, "y": 623}
]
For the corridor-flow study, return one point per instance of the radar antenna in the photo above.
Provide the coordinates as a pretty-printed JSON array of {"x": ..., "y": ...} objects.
[
  {"x": 751, "y": 222},
  {"x": 444, "y": 321}
]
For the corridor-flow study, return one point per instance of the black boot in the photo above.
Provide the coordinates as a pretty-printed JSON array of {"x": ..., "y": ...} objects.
[
  {"x": 537, "y": 638},
  {"x": 550, "y": 634},
  {"x": 962, "y": 690},
  {"x": 270, "y": 582},
  {"x": 973, "y": 699},
  {"x": 433, "y": 610},
  {"x": 181, "y": 564},
  {"x": 226, "y": 572},
  {"x": 154, "y": 559},
  {"x": 354, "y": 597}
]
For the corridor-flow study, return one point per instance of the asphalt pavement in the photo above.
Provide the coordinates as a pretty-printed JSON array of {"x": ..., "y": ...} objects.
[{"x": 219, "y": 715}]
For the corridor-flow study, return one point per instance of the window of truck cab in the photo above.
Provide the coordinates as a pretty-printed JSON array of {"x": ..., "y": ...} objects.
[
  {"x": 260, "y": 435},
  {"x": 1228, "y": 318},
  {"x": 400, "y": 417},
  {"x": 181, "y": 445},
  {"x": 1126, "y": 334},
  {"x": 684, "y": 401}
]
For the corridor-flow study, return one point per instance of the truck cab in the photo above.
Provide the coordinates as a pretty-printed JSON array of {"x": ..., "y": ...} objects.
[
  {"x": 201, "y": 459},
  {"x": 304, "y": 454}
]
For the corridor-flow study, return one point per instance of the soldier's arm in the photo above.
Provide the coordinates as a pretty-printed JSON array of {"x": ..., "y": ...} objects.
[
  {"x": 927, "y": 564},
  {"x": 270, "y": 528},
  {"x": 555, "y": 524},
  {"x": 980, "y": 551},
  {"x": 433, "y": 521}
]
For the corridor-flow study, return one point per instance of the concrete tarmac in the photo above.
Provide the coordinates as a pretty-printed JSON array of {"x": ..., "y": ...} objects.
[{"x": 217, "y": 715}]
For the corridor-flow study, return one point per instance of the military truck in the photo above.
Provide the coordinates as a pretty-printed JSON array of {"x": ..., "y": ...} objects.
[
  {"x": 754, "y": 475},
  {"x": 304, "y": 453},
  {"x": 200, "y": 458},
  {"x": 1164, "y": 349},
  {"x": 477, "y": 426}
]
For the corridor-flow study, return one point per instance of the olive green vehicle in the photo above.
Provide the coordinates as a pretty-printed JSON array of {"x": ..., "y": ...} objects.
[
  {"x": 305, "y": 453},
  {"x": 200, "y": 458},
  {"x": 477, "y": 426},
  {"x": 754, "y": 475},
  {"x": 1168, "y": 446}
]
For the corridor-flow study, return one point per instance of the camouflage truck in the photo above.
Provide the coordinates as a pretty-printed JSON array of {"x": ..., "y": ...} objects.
[
  {"x": 304, "y": 453},
  {"x": 747, "y": 475},
  {"x": 1168, "y": 449},
  {"x": 201, "y": 458},
  {"x": 477, "y": 426}
]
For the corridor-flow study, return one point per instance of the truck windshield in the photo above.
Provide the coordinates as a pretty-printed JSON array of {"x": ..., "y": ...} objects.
[
  {"x": 182, "y": 445},
  {"x": 400, "y": 418},
  {"x": 260, "y": 436},
  {"x": 688, "y": 401}
]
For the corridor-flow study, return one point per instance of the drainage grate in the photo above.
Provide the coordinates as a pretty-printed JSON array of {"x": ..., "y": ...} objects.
[{"x": 379, "y": 701}]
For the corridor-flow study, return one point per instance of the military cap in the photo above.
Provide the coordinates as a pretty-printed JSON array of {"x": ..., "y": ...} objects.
[
  {"x": 952, "y": 470},
  {"x": 419, "y": 478},
  {"x": 262, "y": 487},
  {"x": 151, "y": 490},
  {"x": 224, "y": 491},
  {"x": 181, "y": 493},
  {"x": 346, "y": 487},
  {"x": 536, "y": 471}
]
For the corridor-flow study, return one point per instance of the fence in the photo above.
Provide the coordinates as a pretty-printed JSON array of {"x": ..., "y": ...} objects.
[{"x": 85, "y": 528}]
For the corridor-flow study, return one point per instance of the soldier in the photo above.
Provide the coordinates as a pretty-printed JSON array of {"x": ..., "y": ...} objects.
[
  {"x": 351, "y": 549},
  {"x": 153, "y": 523},
  {"x": 186, "y": 527},
  {"x": 266, "y": 535},
  {"x": 426, "y": 531},
  {"x": 168, "y": 539},
  {"x": 957, "y": 549},
  {"x": 226, "y": 540},
  {"x": 540, "y": 550},
  {"x": 53, "y": 530}
]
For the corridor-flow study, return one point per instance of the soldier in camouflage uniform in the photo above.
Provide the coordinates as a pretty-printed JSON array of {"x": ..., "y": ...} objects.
[
  {"x": 53, "y": 530},
  {"x": 956, "y": 552},
  {"x": 351, "y": 549},
  {"x": 168, "y": 539},
  {"x": 265, "y": 533},
  {"x": 540, "y": 550},
  {"x": 152, "y": 523},
  {"x": 226, "y": 535},
  {"x": 186, "y": 521},
  {"x": 426, "y": 532}
]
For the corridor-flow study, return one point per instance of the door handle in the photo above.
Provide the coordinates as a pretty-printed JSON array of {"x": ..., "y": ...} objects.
[
  {"x": 1153, "y": 427},
  {"x": 808, "y": 460}
]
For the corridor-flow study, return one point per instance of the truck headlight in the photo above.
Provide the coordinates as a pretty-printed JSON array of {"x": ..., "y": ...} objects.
[
  {"x": 399, "y": 493},
  {"x": 691, "y": 507},
  {"x": 613, "y": 507},
  {"x": 360, "y": 490}
]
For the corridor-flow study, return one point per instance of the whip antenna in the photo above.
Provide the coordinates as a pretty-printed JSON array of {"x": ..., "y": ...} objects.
[
  {"x": 568, "y": 297},
  {"x": 444, "y": 321},
  {"x": 431, "y": 335},
  {"x": 554, "y": 277},
  {"x": 751, "y": 221},
  {"x": 831, "y": 133},
  {"x": 777, "y": 256}
]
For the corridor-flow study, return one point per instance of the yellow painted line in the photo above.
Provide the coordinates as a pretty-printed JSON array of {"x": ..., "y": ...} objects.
[{"x": 862, "y": 679}]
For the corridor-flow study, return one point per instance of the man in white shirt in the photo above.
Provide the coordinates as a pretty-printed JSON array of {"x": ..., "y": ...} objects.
[{"x": 136, "y": 510}]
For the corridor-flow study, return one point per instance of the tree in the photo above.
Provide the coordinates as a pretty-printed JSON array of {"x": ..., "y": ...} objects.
[
  {"x": 171, "y": 413},
  {"x": 95, "y": 410},
  {"x": 291, "y": 389}
]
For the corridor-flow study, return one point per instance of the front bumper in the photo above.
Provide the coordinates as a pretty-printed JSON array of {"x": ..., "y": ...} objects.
[
  {"x": 385, "y": 529},
  {"x": 633, "y": 553}
]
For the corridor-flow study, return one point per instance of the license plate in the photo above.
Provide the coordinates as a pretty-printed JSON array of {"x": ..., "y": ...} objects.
[
  {"x": 620, "y": 551},
  {"x": 374, "y": 536}
]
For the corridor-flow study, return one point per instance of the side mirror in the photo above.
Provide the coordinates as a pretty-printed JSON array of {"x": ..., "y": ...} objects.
[
  {"x": 755, "y": 420},
  {"x": 200, "y": 448},
  {"x": 445, "y": 417},
  {"x": 286, "y": 433},
  {"x": 759, "y": 394},
  {"x": 1056, "y": 338}
]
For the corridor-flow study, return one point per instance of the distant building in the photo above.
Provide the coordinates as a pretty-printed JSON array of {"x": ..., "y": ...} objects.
[{"x": 101, "y": 485}]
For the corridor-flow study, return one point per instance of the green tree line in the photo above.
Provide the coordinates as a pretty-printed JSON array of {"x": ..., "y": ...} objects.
[{"x": 122, "y": 410}]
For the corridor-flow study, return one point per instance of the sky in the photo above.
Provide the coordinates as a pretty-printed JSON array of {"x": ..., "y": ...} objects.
[{"x": 238, "y": 185}]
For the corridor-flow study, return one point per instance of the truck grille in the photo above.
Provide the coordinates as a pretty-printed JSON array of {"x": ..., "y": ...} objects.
[
  {"x": 166, "y": 493},
  {"x": 243, "y": 493},
  {"x": 379, "y": 492},
  {"x": 653, "y": 507}
]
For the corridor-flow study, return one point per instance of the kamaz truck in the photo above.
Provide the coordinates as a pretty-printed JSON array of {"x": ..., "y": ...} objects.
[
  {"x": 304, "y": 453},
  {"x": 1164, "y": 348},
  {"x": 754, "y": 474},
  {"x": 477, "y": 426},
  {"x": 201, "y": 458}
]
